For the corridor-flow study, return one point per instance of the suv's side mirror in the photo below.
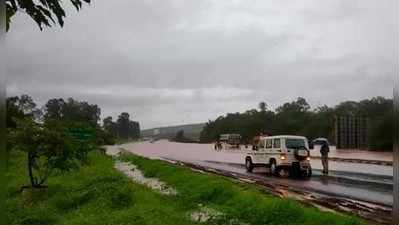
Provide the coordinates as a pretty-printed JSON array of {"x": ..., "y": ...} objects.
[{"x": 255, "y": 147}]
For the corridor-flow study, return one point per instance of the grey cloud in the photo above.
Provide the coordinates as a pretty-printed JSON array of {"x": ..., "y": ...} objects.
[{"x": 190, "y": 61}]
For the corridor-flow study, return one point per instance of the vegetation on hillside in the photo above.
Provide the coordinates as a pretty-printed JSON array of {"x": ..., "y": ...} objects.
[
  {"x": 124, "y": 128},
  {"x": 74, "y": 115},
  {"x": 298, "y": 118}
]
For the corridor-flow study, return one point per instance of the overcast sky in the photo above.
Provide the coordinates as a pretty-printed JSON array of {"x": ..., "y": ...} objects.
[{"x": 170, "y": 62}]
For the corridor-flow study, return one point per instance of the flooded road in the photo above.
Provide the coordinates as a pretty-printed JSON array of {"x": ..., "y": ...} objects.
[
  {"x": 373, "y": 192},
  {"x": 355, "y": 154},
  {"x": 366, "y": 182},
  {"x": 205, "y": 152}
]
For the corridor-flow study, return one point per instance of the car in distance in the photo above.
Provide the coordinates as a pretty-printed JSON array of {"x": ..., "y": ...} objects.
[{"x": 283, "y": 155}]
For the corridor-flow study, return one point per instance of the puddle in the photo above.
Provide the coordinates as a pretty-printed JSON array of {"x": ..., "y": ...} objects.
[{"x": 136, "y": 175}]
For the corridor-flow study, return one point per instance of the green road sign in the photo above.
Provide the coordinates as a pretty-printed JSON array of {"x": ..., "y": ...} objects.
[{"x": 81, "y": 134}]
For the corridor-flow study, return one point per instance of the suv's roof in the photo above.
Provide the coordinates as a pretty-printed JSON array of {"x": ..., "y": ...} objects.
[{"x": 284, "y": 136}]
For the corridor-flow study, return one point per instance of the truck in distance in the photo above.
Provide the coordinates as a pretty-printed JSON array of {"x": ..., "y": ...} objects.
[{"x": 230, "y": 140}]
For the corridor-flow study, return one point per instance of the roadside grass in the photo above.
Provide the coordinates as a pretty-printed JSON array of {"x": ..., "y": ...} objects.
[
  {"x": 99, "y": 194},
  {"x": 237, "y": 201},
  {"x": 96, "y": 194}
]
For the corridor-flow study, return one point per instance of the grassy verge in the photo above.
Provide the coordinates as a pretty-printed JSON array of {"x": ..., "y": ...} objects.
[
  {"x": 237, "y": 201},
  {"x": 98, "y": 194}
]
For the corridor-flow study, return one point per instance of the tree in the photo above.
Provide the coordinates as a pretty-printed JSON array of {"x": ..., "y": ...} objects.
[
  {"x": 126, "y": 128},
  {"x": 55, "y": 109},
  {"x": 19, "y": 108},
  {"x": 123, "y": 123},
  {"x": 296, "y": 118},
  {"x": 109, "y": 131},
  {"x": 43, "y": 12},
  {"x": 48, "y": 148},
  {"x": 293, "y": 116},
  {"x": 262, "y": 106},
  {"x": 72, "y": 111},
  {"x": 300, "y": 105},
  {"x": 109, "y": 125},
  {"x": 347, "y": 108},
  {"x": 134, "y": 129}
]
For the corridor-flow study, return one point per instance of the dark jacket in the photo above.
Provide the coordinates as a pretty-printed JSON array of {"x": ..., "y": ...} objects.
[{"x": 324, "y": 149}]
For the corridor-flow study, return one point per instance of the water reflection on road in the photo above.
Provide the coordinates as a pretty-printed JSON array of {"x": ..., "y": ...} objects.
[
  {"x": 374, "y": 190},
  {"x": 205, "y": 152}
]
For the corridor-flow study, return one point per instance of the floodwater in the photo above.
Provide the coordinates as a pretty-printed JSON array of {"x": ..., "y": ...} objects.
[
  {"x": 368, "y": 182},
  {"x": 369, "y": 192},
  {"x": 206, "y": 152},
  {"x": 355, "y": 154}
]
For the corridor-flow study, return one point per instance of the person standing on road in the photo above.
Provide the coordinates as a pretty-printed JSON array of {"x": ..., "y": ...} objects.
[
  {"x": 324, "y": 156},
  {"x": 217, "y": 145}
]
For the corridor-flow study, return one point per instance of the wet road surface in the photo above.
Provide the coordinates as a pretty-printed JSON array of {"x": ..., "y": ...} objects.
[
  {"x": 355, "y": 154},
  {"x": 366, "y": 182},
  {"x": 373, "y": 192}
]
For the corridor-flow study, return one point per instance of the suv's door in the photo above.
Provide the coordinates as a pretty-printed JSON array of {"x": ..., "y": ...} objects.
[
  {"x": 277, "y": 145},
  {"x": 260, "y": 152},
  {"x": 268, "y": 150},
  {"x": 277, "y": 150}
]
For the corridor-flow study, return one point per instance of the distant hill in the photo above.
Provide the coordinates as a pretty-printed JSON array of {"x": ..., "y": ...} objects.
[{"x": 191, "y": 131}]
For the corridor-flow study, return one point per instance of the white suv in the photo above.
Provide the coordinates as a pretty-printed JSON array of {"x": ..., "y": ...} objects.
[{"x": 283, "y": 155}]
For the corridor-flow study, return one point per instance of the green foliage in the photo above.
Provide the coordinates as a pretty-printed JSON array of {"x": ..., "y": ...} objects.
[
  {"x": 47, "y": 146},
  {"x": 297, "y": 118},
  {"x": 19, "y": 107},
  {"x": 41, "y": 11},
  {"x": 122, "y": 130},
  {"x": 72, "y": 111},
  {"x": 84, "y": 138},
  {"x": 73, "y": 114},
  {"x": 110, "y": 130},
  {"x": 97, "y": 194},
  {"x": 126, "y": 128},
  {"x": 105, "y": 137},
  {"x": 80, "y": 115}
]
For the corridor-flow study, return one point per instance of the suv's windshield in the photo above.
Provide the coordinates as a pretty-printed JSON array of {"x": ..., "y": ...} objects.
[{"x": 295, "y": 143}]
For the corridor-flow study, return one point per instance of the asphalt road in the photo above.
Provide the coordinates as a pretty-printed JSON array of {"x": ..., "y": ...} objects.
[{"x": 356, "y": 181}]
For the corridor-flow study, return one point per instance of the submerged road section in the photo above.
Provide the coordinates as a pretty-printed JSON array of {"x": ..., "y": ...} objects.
[{"x": 370, "y": 185}]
